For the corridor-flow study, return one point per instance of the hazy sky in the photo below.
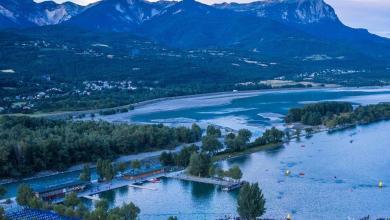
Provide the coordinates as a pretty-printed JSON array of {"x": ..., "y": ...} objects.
[{"x": 373, "y": 15}]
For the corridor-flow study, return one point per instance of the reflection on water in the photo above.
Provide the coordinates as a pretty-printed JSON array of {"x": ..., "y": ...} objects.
[{"x": 202, "y": 191}]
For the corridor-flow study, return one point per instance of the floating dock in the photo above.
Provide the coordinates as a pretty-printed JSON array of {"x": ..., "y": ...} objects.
[
  {"x": 226, "y": 185},
  {"x": 93, "y": 198},
  {"x": 142, "y": 187}
]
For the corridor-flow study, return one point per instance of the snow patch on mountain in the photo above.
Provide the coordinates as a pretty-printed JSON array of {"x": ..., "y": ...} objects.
[
  {"x": 119, "y": 8},
  {"x": 5, "y": 12}
]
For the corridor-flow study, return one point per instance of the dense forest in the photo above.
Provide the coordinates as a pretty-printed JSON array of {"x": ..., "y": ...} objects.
[
  {"x": 362, "y": 115},
  {"x": 29, "y": 145},
  {"x": 333, "y": 114},
  {"x": 317, "y": 113}
]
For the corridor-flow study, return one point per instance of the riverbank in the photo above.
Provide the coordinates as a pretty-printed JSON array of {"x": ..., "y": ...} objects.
[
  {"x": 233, "y": 94},
  {"x": 79, "y": 167}
]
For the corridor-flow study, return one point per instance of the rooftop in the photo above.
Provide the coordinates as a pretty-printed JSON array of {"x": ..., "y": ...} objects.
[{"x": 59, "y": 186}]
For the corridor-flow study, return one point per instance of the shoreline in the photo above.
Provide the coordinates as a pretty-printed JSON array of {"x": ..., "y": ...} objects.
[
  {"x": 153, "y": 101},
  {"x": 78, "y": 167},
  {"x": 232, "y": 94}
]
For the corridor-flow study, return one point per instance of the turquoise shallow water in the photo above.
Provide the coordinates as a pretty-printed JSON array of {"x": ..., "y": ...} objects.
[
  {"x": 340, "y": 178},
  {"x": 257, "y": 112}
]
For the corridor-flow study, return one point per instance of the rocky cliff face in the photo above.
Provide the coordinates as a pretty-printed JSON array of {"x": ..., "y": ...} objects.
[
  {"x": 287, "y": 11},
  {"x": 25, "y": 13}
]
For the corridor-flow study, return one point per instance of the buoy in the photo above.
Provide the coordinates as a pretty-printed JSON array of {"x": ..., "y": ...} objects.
[
  {"x": 288, "y": 172},
  {"x": 301, "y": 174},
  {"x": 380, "y": 184},
  {"x": 288, "y": 216}
]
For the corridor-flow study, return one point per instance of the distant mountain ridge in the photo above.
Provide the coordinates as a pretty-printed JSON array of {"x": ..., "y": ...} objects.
[
  {"x": 119, "y": 15},
  {"x": 287, "y": 11},
  {"x": 27, "y": 13},
  {"x": 276, "y": 27}
]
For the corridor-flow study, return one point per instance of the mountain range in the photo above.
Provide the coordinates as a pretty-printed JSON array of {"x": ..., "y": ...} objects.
[
  {"x": 27, "y": 13},
  {"x": 169, "y": 48},
  {"x": 277, "y": 27}
]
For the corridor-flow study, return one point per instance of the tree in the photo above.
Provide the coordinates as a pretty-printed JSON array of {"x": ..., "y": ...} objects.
[
  {"x": 129, "y": 211},
  {"x": 2, "y": 214},
  {"x": 60, "y": 209},
  {"x": 69, "y": 211},
  {"x": 309, "y": 132},
  {"x": 317, "y": 113},
  {"x": 211, "y": 171},
  {"x": 136, "y": 164},
  {"x": 35, "y": 203},
  {"x": 219, "y": 172},
  {"x": 213, "y": 131},
  {"x": 196, "y": 132},
  {"x": 245, "y": 135},
  {"x": 85, "y": 174},
  {"x": 105, "y": 170},
  {"x": 24, "y": 194},
  {"x": 125, "y": 212},
  {"x": 183, "y": 157},
  {"x": 298, "y": 134},
  {"x": 270, "y": 136},
  {"x": 234, "y": 172},
  {"x": 100, "y": 212},
  {"x": 167, "y": 159},
  {"x": 121, "y": 167},
  {"x": 2, "y": 191},
  {"x": 81, "y": 210},
  {"x": 211, "y": 144},
  {"x": 199, "y": 164},
  {"x": 71, "y": 200},
  {"x": 100, "y": 168},
  {"x": 57, "y": 144},
  {"x": 250, "y": 202}
]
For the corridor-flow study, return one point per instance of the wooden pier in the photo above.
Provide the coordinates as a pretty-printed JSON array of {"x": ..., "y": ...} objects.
[{"x": 226, "y": 185}]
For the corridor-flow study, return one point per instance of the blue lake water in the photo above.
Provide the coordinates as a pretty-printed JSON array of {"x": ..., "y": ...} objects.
[{"x": 340, "y": 178}]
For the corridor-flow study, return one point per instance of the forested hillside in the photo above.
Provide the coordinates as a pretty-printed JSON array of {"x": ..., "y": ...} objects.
[{"x": 58, "y": 68}]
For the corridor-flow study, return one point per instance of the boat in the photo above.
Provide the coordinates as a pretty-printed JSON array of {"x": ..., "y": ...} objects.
[{"x": 154, "y": 180}]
